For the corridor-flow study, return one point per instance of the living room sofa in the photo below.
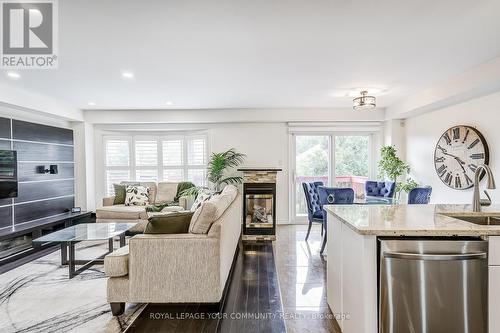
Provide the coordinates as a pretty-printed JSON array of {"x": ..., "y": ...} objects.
[
  {"x": 163, "y": 192},
  {"x": 175, "y": 268}
]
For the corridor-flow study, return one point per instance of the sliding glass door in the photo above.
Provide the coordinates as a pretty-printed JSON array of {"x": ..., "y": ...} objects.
[
  {"x": 352, "y": 161},
  {"x": 312, "y": 163},
  {"x": 336, "y": 159}
]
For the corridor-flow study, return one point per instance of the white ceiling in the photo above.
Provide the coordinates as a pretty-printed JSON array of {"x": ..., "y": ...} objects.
[{"x": 260, "y": 53}]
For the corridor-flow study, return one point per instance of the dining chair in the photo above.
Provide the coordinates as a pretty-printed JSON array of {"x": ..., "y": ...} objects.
[
  {"x": 314, "y": 211},
  {"x": 420, "y": 195},
  {"x": 380, "y": 189},
  {"x": 333, "y": 196}
]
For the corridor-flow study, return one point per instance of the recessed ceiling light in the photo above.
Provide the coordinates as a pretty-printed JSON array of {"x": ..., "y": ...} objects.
[
  {"x": 128, "y": 75},
  {"x": 13, "y": 75},
  {"x": 91, "y": 103},
  {"x": 169, "y": 103}
]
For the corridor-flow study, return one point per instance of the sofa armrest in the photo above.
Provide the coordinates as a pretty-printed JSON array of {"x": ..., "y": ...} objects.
[
  {"x": 116, "y": 263},
  {"x": 162, "y": 266},
  {"x": 108, "y": 201},
  {"x": 183, "y": 202}
]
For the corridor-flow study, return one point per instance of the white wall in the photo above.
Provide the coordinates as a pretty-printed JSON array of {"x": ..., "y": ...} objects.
[
  {"x": 266, "y": 145},
  {"x": 422, "y": 133}
]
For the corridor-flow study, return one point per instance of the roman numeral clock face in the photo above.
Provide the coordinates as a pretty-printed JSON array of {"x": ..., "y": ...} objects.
[{"x": 458, "y": 153}]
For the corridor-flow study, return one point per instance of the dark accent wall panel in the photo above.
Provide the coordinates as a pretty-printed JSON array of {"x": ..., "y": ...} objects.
[
  {"x": 35, "y": 132},
  {"x": 5, "y": 144},
  {"x": 37, "y": 210},
  {"x": 27, "y": 151},
  {"x": 7, "y": 201},
  {"x": 6, "y": 216},
  {"x": 45, "y": 190},
  {"x": 5, "y": 128},
  {"x": 27, "y": 171}
]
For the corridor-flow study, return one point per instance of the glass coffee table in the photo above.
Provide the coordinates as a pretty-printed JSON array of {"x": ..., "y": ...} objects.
[{"x": 68, "y": 237}]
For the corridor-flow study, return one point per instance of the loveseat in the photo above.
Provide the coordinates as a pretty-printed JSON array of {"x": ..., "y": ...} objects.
[
  {"x": 177, "y": 268},
  {"x": 163, "y": 192}
]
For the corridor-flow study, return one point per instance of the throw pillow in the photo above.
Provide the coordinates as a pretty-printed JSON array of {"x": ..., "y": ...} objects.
[
  {"x": 137, "y": 196},
  {"x": 120, "y": 194},
  {"x": 209, "y": 212},
  {"x": 171, "y": 223},
  {"x": 203, "y": 195}
]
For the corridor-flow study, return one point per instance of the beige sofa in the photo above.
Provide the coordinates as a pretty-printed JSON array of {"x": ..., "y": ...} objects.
[
  {"x": 175, "y": 268},
  {"x": 160, "y": 193}
]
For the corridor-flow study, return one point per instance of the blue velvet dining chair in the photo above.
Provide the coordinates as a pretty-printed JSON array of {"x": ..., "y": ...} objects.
[
  {"x": 380, "y": 189},
  {"x": 420, "y": 196},
  {"x": 333, "y": 196},
  {"x": 314, "y": 211}
]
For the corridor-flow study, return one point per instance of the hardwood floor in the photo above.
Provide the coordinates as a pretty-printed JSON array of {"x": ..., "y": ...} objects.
[
  {"x": 278, "y": 287},
  {"x": 302, "y": 279}
]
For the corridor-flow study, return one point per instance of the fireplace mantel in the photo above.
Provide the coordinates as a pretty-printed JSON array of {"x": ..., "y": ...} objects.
[{"x": 249, "y": 169}]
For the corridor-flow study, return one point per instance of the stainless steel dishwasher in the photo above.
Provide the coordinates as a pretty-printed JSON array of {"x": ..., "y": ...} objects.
[{"x": 433, "y": 286}]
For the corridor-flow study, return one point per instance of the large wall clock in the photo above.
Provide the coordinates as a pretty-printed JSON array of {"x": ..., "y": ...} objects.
[{"x": 458, "y": 153}]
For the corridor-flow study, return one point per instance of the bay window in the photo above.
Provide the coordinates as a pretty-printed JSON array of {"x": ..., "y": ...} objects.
[{"x": 166, "y": 158}]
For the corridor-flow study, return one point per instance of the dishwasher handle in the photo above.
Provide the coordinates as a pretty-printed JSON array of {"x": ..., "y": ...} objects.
[{"x": 436, "y": 256}]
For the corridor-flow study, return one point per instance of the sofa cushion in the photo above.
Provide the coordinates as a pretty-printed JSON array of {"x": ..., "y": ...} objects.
[
  {"x": 120, "y": 194},
  {"x": 122, "y": 212},
  {"x": 116, "y": 263},
  {"x": 169, "y": 223},
  {"x": 209, "y": 212},
  {"x": 166, "y": 192},
  {"x": 137, "y": 196}
]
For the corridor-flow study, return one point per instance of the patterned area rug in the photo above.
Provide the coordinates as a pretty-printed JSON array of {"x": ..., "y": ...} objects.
[{"x": 39, "y": 297}]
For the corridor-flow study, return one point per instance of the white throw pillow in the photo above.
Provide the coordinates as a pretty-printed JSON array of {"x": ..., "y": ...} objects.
[
  {"x": 203, "y": 195},
  {"x": 209, "y": 212},
  {"x": 137, "y": 196},
  {"x": 230, "y": 190}
]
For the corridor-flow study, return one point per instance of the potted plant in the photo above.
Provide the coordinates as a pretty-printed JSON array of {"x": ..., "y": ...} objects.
[
  {"x": 217, "y": 169},
  {"x": 218, "y": 166},
  {"x": 392, "y": 167}
]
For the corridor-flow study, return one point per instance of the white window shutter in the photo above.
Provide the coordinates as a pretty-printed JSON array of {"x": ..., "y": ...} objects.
[
  {"x": 117, "y": 153},
  {"x": 146, "y": 153},
  {"x": 196, "y": 151}
]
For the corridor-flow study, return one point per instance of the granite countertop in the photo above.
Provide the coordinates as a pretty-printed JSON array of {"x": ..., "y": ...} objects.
[{"x": 414, "y": 220}]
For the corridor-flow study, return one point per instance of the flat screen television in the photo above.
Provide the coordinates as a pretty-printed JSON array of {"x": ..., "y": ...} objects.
[{"x": 8, "y": 174}]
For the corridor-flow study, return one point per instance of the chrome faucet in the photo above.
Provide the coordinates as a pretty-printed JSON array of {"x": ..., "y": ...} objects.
[{"x": 477, "y": 202}]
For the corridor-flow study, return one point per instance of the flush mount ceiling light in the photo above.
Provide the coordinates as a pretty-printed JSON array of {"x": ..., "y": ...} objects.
[
  {"x": 91, "y": 103},
  {"x": 13, "y": 75},
  {"x": 363, "y": 102},
  {"x": 128, "y": 75},
  {"x": 169, "y": 103}
]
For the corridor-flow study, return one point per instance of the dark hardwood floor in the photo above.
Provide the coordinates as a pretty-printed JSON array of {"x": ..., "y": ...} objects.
[{"x": 253, "y": 301}]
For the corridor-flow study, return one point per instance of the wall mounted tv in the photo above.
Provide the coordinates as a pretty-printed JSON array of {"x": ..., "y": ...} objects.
[{"x": 8, "y": 174}]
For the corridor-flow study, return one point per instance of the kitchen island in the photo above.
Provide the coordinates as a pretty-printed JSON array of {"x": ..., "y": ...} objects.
[{"x": 354, "y": 236}]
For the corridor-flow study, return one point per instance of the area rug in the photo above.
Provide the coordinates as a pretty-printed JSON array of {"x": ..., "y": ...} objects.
[{"x": 39, "y": 297}]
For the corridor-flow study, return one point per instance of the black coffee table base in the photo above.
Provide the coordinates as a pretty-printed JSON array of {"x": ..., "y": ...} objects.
[{"x": 85, "y": 264}]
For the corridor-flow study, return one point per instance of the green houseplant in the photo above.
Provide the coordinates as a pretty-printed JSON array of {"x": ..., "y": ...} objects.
[
  {"x": 218, "y": 166},
  {"x": 217, "y": 169},
  {"x": 392, "y": 167}
]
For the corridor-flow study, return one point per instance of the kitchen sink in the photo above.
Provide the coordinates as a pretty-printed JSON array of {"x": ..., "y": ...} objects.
[{"x": 481, "y": 220}]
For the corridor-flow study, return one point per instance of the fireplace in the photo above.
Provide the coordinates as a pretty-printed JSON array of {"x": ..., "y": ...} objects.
[{"x": 259, "y": 203}]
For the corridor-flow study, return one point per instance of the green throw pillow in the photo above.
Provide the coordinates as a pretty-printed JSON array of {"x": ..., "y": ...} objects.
[
  {"x": 173, "y": 223},
  {"x": 120, "y": 194}
]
